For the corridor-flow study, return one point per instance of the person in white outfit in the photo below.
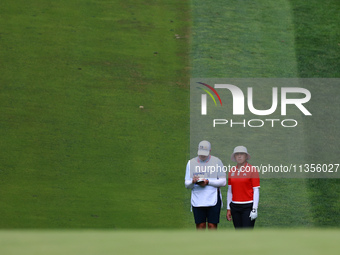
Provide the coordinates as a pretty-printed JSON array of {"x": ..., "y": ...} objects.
[{"x": 205, "y": 176}]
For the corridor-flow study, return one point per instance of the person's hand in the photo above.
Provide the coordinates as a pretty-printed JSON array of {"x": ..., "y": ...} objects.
[
  {"x": 228, "y": 215},
  {"x": 204, "y": 183},
  {"x": 195, "y": 179},
  {"x": 253, "y": 214}
]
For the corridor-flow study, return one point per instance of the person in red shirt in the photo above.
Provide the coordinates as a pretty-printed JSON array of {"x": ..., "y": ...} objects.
[{"x": 243, "y": 190}]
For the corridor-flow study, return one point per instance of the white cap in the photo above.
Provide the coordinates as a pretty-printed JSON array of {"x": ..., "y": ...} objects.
[
  {"x": 239, "y": 149},
  {"x": 204, "y": 148}
]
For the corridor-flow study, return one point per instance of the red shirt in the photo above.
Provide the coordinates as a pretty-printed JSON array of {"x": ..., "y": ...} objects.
[{"x": 242, "y": 183}]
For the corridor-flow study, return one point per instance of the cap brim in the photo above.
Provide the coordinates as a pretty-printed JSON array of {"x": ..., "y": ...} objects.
[{"x": 203, "y": 153}]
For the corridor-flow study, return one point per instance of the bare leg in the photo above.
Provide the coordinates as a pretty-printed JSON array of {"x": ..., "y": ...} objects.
[
  {"x": 201, "y": 225},
  {"x": 212, "y": 226}
]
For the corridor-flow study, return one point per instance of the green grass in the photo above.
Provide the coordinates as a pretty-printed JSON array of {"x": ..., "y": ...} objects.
[
  {"x": 77, "y": 151},
  {"x": 255, "y": 40},
  {"x": 317, "y": 38},
  {"x": 281, "y": 39},
  {"x": 243, "y": 39},
  {"x": 262, "y": 242}
]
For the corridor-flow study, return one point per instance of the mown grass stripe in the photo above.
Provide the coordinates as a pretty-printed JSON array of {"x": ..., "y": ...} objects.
[
  {"x": 251, "y": 40},
  {"x": 317, "y": 37},
  {"x": 241, "y": 39}
]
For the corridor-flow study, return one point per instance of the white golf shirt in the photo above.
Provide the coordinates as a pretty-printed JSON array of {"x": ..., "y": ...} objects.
[{"x": 211, "y": 169}]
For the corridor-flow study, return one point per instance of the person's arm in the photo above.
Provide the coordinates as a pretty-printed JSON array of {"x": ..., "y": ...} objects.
[
  {"x": 256, "y": 188},
  {"x": 256, "y": 197},
  {"x": 189, "y": 182},
  {"x": 229, "y": 198},
  {"x": 221, "y": 180},
  {"x": 218, "y": 182}
]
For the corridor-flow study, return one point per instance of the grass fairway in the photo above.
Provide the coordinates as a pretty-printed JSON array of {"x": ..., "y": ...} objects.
[
  {"x": 243, "y": 39},
  {"x": 263, "y": 242},
  {"x": 76, "y": 149},
  {"x": 255, "y": 40},
  {"x": 278, "y": 39},
  {"x": 317, "y": 36}
]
